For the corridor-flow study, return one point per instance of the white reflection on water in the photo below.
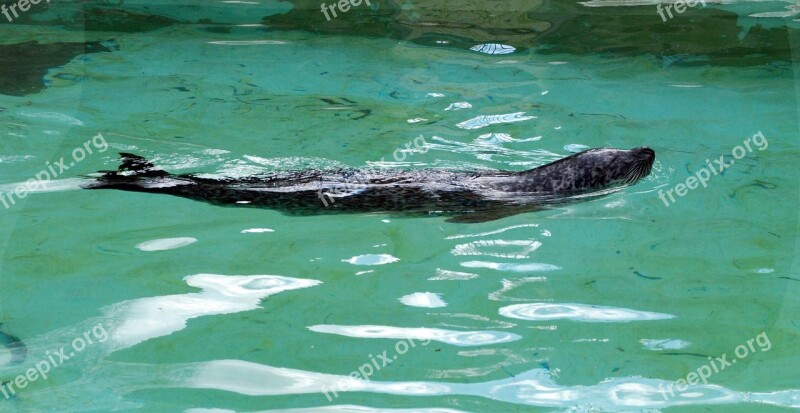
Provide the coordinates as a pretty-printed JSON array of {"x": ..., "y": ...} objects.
[
  {"x": 499, "y": 248},
  {"x": 458, "y": 338},
  {"x": 260, "y": 380},
  {"x": 146, "y": 318},
  {"x": 493, "y": 48},
  {"x": 426, "y": 299},
  {"x": 162, "y": 244},
  {"x": 442, "y": 275},
  {"x": 486, "y": 120},
  {"x": 247, "y": 42},
  {"x": 509, "y": 285},
  {"x": 533, "y": 387},
  {"x": 342, "y": 408},
  {"x": 578, "y": 312},
  {"x": 56, "y": 185},
  {"x": 664, "y": 344},
  {"x": 513, "y": 267},
  {"x": 256, "y": 230},
  {"x": 494, "y": 232},
  {"x": 372, "y": 259}
]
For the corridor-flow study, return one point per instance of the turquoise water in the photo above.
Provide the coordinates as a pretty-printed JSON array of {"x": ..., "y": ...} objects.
[{"x": 593, "y": 306}]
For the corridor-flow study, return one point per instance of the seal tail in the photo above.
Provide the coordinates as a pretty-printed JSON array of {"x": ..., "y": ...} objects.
[
  {"x": 132, "y": 168},
  {"x": 135, "y": 165}
]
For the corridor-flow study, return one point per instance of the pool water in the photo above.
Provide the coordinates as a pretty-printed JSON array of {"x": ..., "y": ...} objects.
[{"x": 140, "y": 302}]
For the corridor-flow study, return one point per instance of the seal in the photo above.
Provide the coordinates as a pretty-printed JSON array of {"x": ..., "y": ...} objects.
[
  {"x": 466, "y": 196},
  {"x": 14, "y": 347}
]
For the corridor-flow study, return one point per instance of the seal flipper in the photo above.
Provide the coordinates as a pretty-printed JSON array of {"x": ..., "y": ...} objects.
[
  {"x": 128, "y": 174},
  {"x": 16, "y": 348},
  {"x": 135, "y": 165}
]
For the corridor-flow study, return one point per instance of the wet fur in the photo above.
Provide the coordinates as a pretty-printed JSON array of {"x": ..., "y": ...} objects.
[{"x": 470, "y": 196}]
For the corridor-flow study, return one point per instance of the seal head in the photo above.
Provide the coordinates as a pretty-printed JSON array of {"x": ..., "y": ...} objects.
[{"x": 587, "y": 171}]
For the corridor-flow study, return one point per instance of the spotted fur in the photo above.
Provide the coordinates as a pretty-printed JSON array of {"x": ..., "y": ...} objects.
[{"x": 428, "y": 192}]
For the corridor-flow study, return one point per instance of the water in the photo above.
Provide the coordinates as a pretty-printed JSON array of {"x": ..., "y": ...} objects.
[{"x": 594, "y": 306}]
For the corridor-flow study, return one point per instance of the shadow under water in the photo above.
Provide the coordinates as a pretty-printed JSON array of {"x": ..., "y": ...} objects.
[
  {"x": 707, "y": 36},
  {"x": 24, "y": 65}
]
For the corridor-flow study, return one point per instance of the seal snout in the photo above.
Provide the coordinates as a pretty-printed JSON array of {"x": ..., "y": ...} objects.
[
  {"x": 639, "y": 163},
  {"x": 646, "y": 152},
  {"x": 644, "y": 155}
]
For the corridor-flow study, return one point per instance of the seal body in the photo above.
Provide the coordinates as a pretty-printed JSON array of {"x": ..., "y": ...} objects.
[{"x": 469, "y": 196}]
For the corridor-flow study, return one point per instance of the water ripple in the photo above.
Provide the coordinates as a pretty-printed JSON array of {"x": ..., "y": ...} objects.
[
  {"x": 518, "y": 249},
  {"x": 372, "y": 259},
  {"x": 534, "y": 388},
  {"x": 459, "y": 106},
  {"x": 341, "y": 408},
  {"x": 52, "y": 116},
  {"x": 442, "y": 274},
  {"x": 493, "y": 48},
  {"x": 457, "y": 338},
  {"x": 508, "y": 266},
  {"x": 165, "y": 243},
  {"x": 509, "y": 285},
  {"x": 483, "y": 121},
  {"x": 499, "y": 138},
  {"x": 247, "y": 42},
  {"x": 57, "y": 185},
  {"x": 664, "y": 344},
  {"x": 497, "y": 231},
  {"x": 578, "y": 312}
]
